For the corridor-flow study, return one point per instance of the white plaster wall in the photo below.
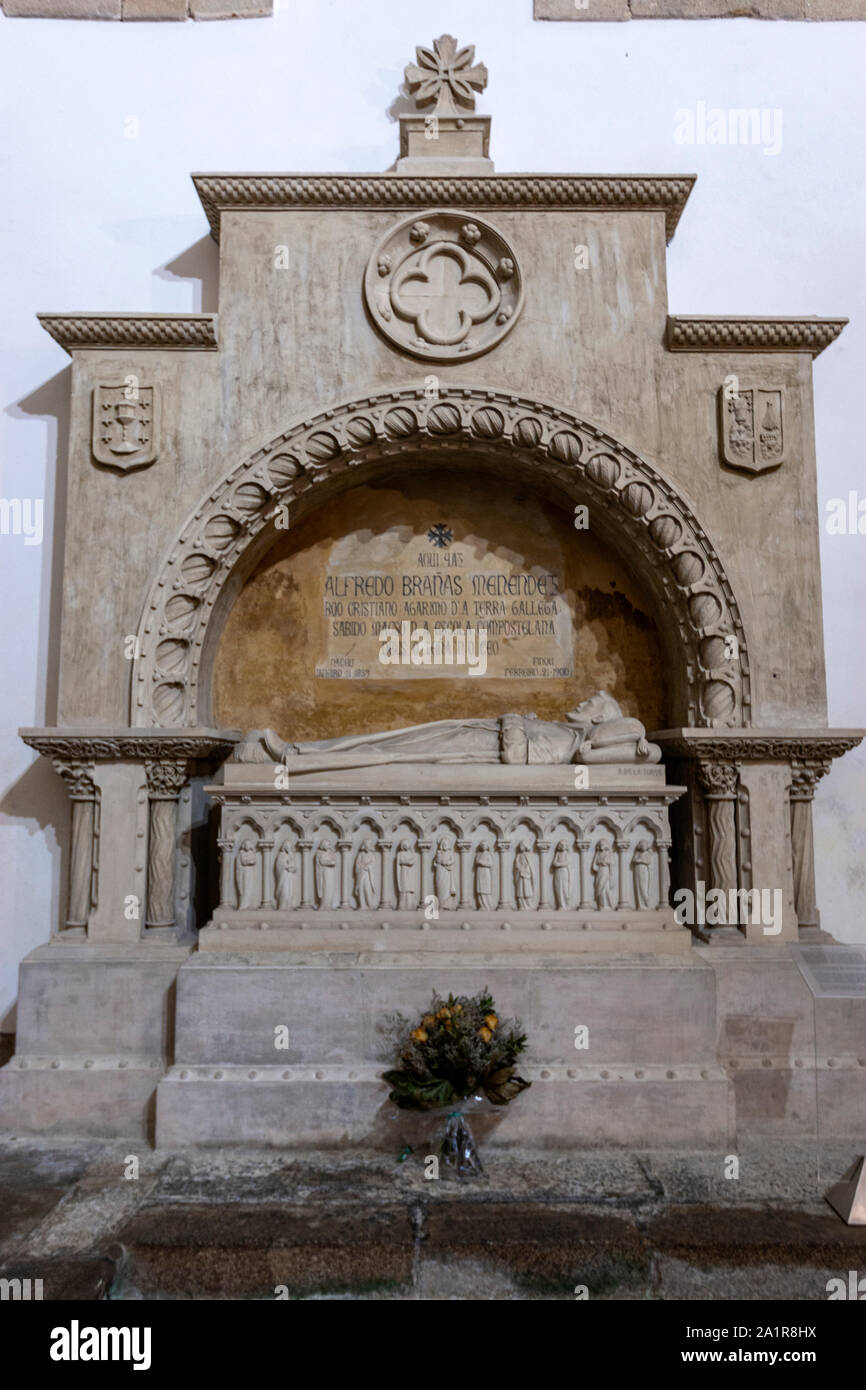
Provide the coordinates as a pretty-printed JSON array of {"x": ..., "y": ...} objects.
[{"x": 96, "y": 220}]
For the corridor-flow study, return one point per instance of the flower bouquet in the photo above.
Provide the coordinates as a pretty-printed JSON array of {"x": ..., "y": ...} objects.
[{"x": 460, "y": 1049}]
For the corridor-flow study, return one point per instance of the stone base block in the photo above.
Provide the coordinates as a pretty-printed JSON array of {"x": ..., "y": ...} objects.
[
  {"x": 774, "y": 1098},
  {"x": 335, "y": 1008},
  {"x": 102, "y": 1098},
  {"x": 324, "y": 1107},
  {"x": 112, "y": 1000},
  {"x": 289, "y": 1050},
  {"x": 95, "y": 1033}
]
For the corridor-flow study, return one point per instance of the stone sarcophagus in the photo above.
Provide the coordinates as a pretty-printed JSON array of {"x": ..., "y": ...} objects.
[{"x": 566, "y": 857}]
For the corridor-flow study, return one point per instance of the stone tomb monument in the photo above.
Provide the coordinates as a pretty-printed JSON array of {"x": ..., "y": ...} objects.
[
  {"x": 398, "y": 559},
  {"x": 513, "y": 824}
]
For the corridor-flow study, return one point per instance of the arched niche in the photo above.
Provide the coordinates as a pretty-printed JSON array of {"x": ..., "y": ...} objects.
[{"x": 634, "y": 510}]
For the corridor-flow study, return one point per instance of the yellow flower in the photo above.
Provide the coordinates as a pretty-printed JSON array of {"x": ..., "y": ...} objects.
[
  {"x": 491, "y": 1021},
  {"x": 419, "y": 1035},
  {"x": 428, "y": 1020},
  {"x": 485, "y": 1034},
  {"x": 458, "y": 1009},
  {"x": 444, "y": 1013}
]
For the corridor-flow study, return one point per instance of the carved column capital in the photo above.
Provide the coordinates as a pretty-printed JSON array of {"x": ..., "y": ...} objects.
[
  {"x": 806, "y": 773},
  {"x": 718, "y": 780},
  {"x": 78, "y": 776},
  {"x": 165, "y": 777}
]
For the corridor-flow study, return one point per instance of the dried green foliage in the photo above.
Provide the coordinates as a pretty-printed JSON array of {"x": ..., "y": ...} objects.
[{"x": 459, "y": 1048}]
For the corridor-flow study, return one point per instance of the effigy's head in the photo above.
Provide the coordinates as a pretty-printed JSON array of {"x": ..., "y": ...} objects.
[{"x": 595, "y": 709}]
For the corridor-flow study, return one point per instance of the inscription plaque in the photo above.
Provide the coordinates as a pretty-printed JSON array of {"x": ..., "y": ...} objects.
[{"x": 484, "y": 612}]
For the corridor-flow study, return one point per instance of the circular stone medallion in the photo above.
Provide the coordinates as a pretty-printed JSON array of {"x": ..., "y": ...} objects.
[{"x": 443, "y": 286}]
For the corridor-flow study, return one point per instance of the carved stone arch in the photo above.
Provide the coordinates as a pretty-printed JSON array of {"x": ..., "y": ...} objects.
[
  {"x": 393, "y": 825},
  {"x": 632, "y": 507},
  {"x": 564, "y": 818},
  {"x": 249, "y": 823},
  {"x": 638, "y": 819},
  {"x": 486, "y": 817},
  {"x": 286, "y": 821},
  {"x": 530, "y": 821},
  {"x": 606, "y": 822},
  {"x": 445, "y": 822},
  {"x": 325, "y": 817},
  {"x": 368, "y": 821}
]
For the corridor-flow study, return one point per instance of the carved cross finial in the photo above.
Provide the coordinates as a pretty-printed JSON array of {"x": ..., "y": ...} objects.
[{"x": 445, "y": 76}]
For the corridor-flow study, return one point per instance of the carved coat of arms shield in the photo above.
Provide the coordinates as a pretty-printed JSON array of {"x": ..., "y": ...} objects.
[
  {"x": 752, "y": 428},
  {"x": 125, "y": 425}
]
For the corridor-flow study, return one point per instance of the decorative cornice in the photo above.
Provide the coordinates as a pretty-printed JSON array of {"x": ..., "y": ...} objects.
[
  {"x": 182, "y": 332},
  {"x": 758, "y": 745},
  {"x": 397, "y": 193},
  {"x": 101, "y": 745},
  {"x": 699, "y": 334}
]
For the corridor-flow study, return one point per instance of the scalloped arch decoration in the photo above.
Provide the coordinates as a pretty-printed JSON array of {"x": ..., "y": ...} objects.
[{"x": 643, "y": 512}]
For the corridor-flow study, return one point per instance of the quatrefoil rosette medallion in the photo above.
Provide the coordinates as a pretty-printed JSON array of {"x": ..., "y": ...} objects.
[{"x": 444, "y": 286}]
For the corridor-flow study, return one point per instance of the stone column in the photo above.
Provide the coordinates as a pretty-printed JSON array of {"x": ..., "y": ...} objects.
[
  {"x": 805, "y": 776},
  {"x": 587, "y": 902},
  {"x": 78, "y": 777},
  {"x": 164, "y": 782},
  {"x": 305, "y": 846},
  {"x": 266, "y": 847},
  {"x": 543, "y": 896},
  {"x": 121, "y": 838},
  {"x": 664, "y": 866},
  {"x": 386, "y": 897},
  {"x": 503, "y": 847},
  {"x": 425, "y": 847},
  {"x": 622, "y": 873},
  {"x": 227, "y": 897},
  {"x": 345, "y": 848},
  {"x": 465, "y": 848},
  {"x": 719, "y": 784}
]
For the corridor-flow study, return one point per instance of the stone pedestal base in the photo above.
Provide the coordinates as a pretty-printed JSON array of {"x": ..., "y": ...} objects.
[
  {"x": 797, "y": 1060},
  {"x": 95, "y": 1033},
  {"x": 648, "y": 1075},
  {"x": 330, "y": 1107}
]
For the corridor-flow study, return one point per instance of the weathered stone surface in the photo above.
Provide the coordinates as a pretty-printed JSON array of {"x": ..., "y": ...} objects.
[
  {"x": 358, "y": 1226},
  {"x": 230, "y": 9},
  {"x": 709, "y": 1236},
  {"x": 220, "y": 1249},
  {"x": 154, "y": 9},
  {"x": 699, "y": 9},
  {"x": 542, "y": 1246},
  {"x": 835, "y": 9},
  {"x": 24, "y": 1207},
  {"x": 85, "y": 1279},
  {"x": 62, "y": 9},
  {"x": 717, "y": 9},
  {"x": 94, "y": 1001},
  {"x": 581, "y": 9}
]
